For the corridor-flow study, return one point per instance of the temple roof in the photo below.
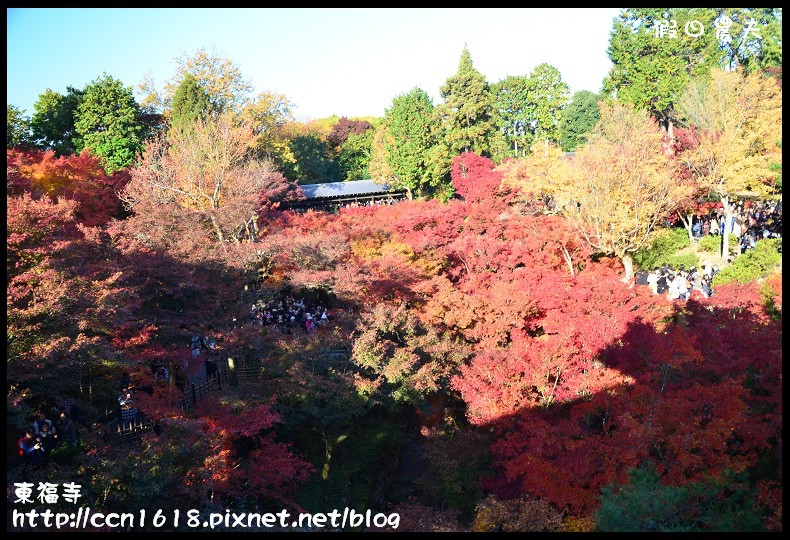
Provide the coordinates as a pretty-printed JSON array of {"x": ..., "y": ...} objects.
[{"x": 343, "y": 189}]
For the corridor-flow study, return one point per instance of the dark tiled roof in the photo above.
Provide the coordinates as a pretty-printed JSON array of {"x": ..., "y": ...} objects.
[{"x": 344, "y": 189}]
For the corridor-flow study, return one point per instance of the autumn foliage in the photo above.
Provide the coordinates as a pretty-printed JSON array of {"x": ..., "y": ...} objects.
[
  {"x": 80, "y": 178},
  {"x": 489, "y": 336}
]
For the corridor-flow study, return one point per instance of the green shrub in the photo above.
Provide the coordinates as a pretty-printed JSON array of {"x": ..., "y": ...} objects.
[
  {"x": 663, "y": 249},
  {"x": 710, "y": 243},
  {"x": 64, "y": 454},
  {"x": 645, "y": 504},
  {"x": 751, "y": 265},
  {"x": 686, "y": 259}
]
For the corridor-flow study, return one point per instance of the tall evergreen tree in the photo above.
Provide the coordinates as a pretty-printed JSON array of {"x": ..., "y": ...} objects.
[
  {"x": 549, "y": 95},
  {"x": 753, "y": 39},
  {"x": 512, "y": 113},
  {"x": 190, "y": 102},
  {"x": 467, "y": 110},
  {"x": 528, "y": 109},
  {"x": 654, "y": 57},
  {"x": 109, "y": 122},
  {"x": 410, "y": 147},
  {"x": 579, "y": 119}
]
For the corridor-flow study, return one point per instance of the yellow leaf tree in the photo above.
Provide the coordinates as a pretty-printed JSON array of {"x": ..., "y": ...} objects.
[
  {"x": 739, "y": 123},
  {"x": 620, "y": 186},
  {"x": 541, "y": 176},
  {"x": 269, "y": 114}
]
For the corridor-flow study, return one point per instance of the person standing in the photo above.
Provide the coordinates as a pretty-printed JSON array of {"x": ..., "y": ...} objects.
[
  {"x": 652, "y": 280},
  {"x": 195, "y": 343},
  {"x": 128, "y": 410},
  {"x": 40, "y": 420},
  {"x": 736, "y": 230},
  {"x": 682, "y": 285},
  {"x": 66, "y": 430},
  {"x": 673, "y": 292},
  {"x": 48, "y": 439},
  {"x": 212, "y": 370}
]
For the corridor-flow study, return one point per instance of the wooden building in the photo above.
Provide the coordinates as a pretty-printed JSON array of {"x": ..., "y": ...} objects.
[{"x": 335, "y": 195}]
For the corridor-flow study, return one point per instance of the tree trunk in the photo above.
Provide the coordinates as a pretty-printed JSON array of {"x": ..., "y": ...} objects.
[
  {"x": 515, "y": 141},
  {"x": 628, "y": 266},
  {"x": 668, "y": 128},
  {"x": 218, "y": 230},
  {"x": 728, "y": 215},
  {"x": 568, "y": 258},
  {"x": 688, "y": 222}
]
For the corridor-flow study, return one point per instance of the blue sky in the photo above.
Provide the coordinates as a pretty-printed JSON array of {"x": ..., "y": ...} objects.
[{"x": 344, "y": 61}]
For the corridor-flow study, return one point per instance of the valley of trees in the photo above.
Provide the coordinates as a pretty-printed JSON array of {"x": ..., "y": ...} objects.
[{"x": 488, "y": 363}]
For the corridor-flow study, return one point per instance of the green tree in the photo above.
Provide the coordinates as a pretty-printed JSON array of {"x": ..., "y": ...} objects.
[
  {"x": 647, "y": 505},
  {"x": 355, "y": 155},
  {"x": 190, "y": 102},
  {"x": 651, "y": 70},
  {"x": 109, "y": 122},
  {"x": 53, "y": 121},
  {"x": 549, "y": 96},
  {"x": 269, "y": 114},
  {"x": 511, "y": 101},
  {"x": 754, "y": 39},
  {"x": 579, "y": 119},
  {"x": 17, "y": 127},
  {"x": 313, "y": 163},
  {"x": 467, "y": 111},
  {"x": 409, "y": 147}
]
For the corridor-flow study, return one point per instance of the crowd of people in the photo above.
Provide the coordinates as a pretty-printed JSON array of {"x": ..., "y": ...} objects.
[
  {"x": 331, "y": 206},
  {"x": 287, "y": 314},
  {"x": 680, "y": 283},
  {"x": 44, "y": 435},
  {"x": 753, "y": 221}
]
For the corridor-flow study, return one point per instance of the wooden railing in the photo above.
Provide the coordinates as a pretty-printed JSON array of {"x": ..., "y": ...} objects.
[
  {"x": 129, "y": 433},
  {"x": 121, "y": 432},
  {"x": 223, "y": 376}
]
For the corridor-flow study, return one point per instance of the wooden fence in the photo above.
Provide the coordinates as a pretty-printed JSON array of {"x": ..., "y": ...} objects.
[
  {"x": 129, "y": 433},
  {"x": 223, "y": 376},
  {"x": 121, "y": 431}
]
